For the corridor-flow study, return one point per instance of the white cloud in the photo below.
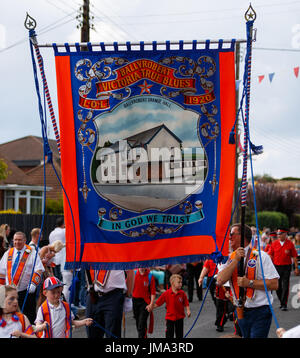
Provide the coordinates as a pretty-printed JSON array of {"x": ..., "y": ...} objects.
[{"x": 2, "y": 36}]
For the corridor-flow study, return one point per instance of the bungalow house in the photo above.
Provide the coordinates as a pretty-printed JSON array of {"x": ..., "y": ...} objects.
[
  {"x": 23, "y": 188},
  {"x": 154, "y": 155}
]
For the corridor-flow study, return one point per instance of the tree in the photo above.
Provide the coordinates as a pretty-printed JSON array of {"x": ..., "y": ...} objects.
[
  {"x": 266, "y": 178},
  {"x": 268, "y": 197},
  {"x": 290, "y": 202},
  {"x": 107, "y": 144},
  {"x": 3, "y": 170},
  {"x": 271, "y": 197}
]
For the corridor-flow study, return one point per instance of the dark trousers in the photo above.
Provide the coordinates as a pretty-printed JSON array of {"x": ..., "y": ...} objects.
[
  {"x": 174, "y": 327},
  {"x": 193, "y": 273},
  {"x": 211, "y": 282},
  {"x": 140, "y": 315},
  {"x": 256, "y": 322},
  {"x": 57, "y": 272},
  {"x": 80, "y": 289},
  {"x": 107, "y": 311},
  {"x": 30, "y": 305},
  {"x": 284, "y": 272},
  {"x": 237, "y": 330},
  {"x": 222, "y": 309}
]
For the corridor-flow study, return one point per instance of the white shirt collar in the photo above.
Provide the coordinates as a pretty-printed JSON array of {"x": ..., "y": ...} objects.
[
  {"x": 52, "y": 307},
  {"x": 22, "y": 250}
]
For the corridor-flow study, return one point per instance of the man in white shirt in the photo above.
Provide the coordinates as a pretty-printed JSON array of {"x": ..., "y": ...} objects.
[
  {"x": 105, "y": 305},
  {"x": 257, "y": 314},
  {"x": 21, "y": 266},
  {"x": 59, "y": 233}
]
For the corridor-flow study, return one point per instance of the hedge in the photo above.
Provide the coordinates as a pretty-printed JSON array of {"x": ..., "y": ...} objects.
[{"x": 272, "y": 220}]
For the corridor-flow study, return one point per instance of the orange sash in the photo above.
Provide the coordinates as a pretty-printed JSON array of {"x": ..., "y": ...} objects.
[
  {"x": 19, "y": 271},
  {"x": 100, "y": 276},
  {"x": 250, "y": 273},
  {"x": 47, "y": 317},
  {"x": 29, "y": 329},
  {"x": 36, "y": 278}
]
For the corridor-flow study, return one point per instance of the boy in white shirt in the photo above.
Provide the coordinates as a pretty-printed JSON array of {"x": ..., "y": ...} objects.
[{"x": 54, "y": 316}]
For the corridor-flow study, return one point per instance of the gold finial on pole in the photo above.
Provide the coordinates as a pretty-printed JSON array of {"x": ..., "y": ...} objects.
[
  {"x": 250, "y": 14},
  {"x": 29, "y": 22}
]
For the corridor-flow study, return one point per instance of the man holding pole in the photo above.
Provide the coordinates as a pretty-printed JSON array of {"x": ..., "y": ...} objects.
[{"x": 256, "y": 319}]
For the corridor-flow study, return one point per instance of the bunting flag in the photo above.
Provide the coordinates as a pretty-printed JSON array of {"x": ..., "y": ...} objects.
[
  {"x": 146, "y": 163},
  {"x": 271, "y": 75}
]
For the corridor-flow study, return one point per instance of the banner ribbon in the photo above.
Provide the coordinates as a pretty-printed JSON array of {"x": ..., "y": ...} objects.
[{"x": 150, "y": 219}]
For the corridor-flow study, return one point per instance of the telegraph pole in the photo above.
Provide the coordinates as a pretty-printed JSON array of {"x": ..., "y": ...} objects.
[
  {"x": 85, "y": 29},
  {"x": 85, "y": 25}
]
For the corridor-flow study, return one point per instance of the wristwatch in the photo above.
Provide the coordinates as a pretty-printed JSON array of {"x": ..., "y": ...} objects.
[{"x": 251, "y": 283}]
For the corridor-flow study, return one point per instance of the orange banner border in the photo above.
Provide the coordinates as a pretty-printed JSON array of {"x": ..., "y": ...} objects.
[{"x": 154, "y": 249}]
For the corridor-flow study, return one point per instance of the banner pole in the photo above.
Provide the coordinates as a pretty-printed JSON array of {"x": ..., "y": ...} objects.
[
  {"x": 30, "y": 25},
  {"x": 123, "y": 44},
  {"x": 250, "y": 17}
]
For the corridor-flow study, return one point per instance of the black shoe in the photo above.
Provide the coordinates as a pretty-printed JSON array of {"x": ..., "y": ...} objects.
[
  {"x": 284, "y": 308},
  {"x": 220, "y": 329}
]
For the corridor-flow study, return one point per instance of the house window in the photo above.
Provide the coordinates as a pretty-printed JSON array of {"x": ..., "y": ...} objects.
[
  {"x": 22, "y": 199},
  {"x": 9, "y": 202},
  {"x": 36, "y": 201},
  {"x": 26, "y": 201}
]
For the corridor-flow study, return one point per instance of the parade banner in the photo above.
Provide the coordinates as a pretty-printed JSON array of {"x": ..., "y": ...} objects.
[{"x": 147, "y": 167}]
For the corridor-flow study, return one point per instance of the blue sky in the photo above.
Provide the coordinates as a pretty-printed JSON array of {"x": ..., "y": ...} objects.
[{"x": 274, "y": 112}]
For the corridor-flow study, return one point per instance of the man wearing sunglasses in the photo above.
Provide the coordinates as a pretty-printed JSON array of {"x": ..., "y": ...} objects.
[
  {"x": 283, "y": 252},
  {"x": 257, "y": 314}
]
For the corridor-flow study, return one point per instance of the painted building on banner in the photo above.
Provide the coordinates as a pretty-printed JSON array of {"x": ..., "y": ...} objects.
[{"x": 151, "y": 156}]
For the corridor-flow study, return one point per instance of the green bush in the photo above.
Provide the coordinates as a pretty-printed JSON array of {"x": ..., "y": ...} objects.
[
  {"x": 272, "y": 219},
  {"x": 54, "y": 206}
]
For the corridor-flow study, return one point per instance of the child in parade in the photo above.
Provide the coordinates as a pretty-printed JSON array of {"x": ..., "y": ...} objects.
[
  {"x": 13, "y": 324},
  {"x": 176, "y": 302},
  {"x": 210, "y": 270},
  {"x": 221, "y": 306},
  {"x": 46, "y": 254},
  {"x": 54, "y": 316},
  {"x": 143, "y": 296}
]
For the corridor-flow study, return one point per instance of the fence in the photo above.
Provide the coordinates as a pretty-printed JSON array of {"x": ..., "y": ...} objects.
[{"x": 26, "y": 222}]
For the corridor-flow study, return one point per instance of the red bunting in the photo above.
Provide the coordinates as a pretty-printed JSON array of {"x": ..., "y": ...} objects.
[
  {"x": 260, "y": 78},
  {"x": 296, "y": 71}
]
